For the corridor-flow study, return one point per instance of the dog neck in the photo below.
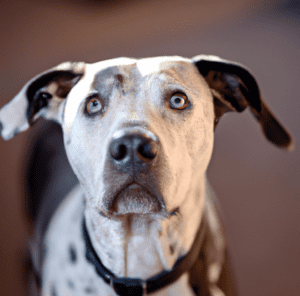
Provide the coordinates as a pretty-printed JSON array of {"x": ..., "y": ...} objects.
[{"x": 143, "y": 245}]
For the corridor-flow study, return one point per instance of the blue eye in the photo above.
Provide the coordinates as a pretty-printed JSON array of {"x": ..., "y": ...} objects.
[
  {"x": 94, "y": 105},
  {"x": 179, "y": 101}
]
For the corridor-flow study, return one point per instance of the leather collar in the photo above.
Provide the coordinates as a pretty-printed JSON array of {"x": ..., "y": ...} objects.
[{"x": 135, "y": 286}]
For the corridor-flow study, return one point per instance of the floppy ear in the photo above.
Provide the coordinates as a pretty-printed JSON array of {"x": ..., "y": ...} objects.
[
  {"x": 42, "y": 96},
  {"x": 234, "y": 88}
]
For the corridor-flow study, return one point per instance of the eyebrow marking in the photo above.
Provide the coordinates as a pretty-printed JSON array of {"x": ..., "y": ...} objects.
[{"x": 120, "y": 80}]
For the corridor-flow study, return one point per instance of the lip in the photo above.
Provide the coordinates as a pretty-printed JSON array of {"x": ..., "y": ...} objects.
[{"x": 135, "y": 199}]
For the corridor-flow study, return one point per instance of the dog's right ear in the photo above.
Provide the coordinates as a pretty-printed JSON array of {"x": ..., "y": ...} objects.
[
  {"x": 234, "y": 89},
  {"x": 41, "y": 96}
]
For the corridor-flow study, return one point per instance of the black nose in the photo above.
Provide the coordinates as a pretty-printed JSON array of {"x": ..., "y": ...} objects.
[{"x": 134, "y": 147}]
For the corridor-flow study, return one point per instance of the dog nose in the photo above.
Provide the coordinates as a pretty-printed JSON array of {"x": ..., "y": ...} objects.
[{"x": 134, "y": 147}]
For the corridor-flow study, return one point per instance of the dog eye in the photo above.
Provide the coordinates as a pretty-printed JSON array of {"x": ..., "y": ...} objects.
[
  {"x": 179, "y": 101},
  {"x": 94, "y": 105}
]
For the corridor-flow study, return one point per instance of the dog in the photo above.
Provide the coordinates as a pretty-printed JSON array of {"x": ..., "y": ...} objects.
[{"x": 138, "y": 134}]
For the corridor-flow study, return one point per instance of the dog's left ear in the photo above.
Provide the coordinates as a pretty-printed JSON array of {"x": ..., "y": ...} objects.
[
  {"x": 41, "y": 96},
  {"x": 234, "y": 88}
]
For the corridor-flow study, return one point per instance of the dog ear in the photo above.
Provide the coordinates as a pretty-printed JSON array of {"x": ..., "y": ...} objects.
[
  {"x": 41, "y": 96},
  {"x": 234, "y": 88}
]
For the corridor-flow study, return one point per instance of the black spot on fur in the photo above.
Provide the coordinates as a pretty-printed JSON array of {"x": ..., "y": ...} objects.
[
  {"x": 73, "y": 254},
  {"x": 89, "y": 290},
  {"x": 110, "y": 256},
  {"x": 53, "y": 291},
  {"x": 120, "y": 78},
  {"x": 93, "y": 226},
  {"x": 70, "y": 284},
  {"x": 172, "y": 249}
]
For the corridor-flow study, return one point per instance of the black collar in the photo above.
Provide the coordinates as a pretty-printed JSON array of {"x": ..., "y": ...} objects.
[{"x": 135, "y": 286}]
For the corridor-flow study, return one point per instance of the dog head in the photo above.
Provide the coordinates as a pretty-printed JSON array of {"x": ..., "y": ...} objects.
[{"x": 139, "y": 133}]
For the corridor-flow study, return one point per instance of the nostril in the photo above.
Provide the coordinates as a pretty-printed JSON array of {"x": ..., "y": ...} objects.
[
  {"x": 147, "y": 150},
  {"x": 118, "y": 151},
  {"x": 133, "y": 148}
]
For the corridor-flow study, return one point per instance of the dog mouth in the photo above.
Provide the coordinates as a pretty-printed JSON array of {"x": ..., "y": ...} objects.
[{"x": 135, "y": 199}]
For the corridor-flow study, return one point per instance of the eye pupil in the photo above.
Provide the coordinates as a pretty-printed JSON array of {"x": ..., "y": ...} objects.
[{"x": 178, "y": 101}]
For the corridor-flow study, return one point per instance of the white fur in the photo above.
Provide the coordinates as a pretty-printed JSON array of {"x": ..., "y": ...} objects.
[{"x": 132, "y": 245}]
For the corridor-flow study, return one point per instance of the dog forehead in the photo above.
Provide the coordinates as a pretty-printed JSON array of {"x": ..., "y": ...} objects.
[
  {"x": 145, "y": 66},
  {"x": 128, "y": 74},
  {"x": 158, "y": 65},
  {"x": 102, "y": 65}
]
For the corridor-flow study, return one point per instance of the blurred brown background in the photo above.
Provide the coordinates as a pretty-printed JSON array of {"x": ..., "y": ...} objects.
[{"x": 257, "y": 184}]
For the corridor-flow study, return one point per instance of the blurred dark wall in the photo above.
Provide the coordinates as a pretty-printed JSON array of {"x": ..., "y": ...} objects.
[{"x": 257, "y": 184}]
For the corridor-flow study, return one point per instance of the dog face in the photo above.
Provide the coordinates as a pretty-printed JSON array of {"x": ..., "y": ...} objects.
[
  {"x": 139, "y": 133},
  {"x": 137, "y": 99}
]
